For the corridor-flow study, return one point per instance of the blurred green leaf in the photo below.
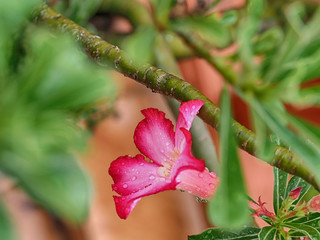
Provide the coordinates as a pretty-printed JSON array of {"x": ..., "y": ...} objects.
[
  {"x": 39, "y": 105},
  {"x": 140, "y": 44},
  {"x": 78, "y": 10},
  {"x": 246, "y": 233},
  {"x": 162, "y": 10},
  {"x": 209, "y": 28},
  {"x": 247, "y": 30},
  {"x": 279, "y": 188},
  {"x": 6, "y": 228},
  {"x": 309, "y": 231},
  {"x": 67, "y": 79},
  {"x": 269, "y": 40},
  {"x": 230, "y": 17},
  {"x": 267, "y": 233},
  {"x": 276, "y": 121},
  {"x": 56, "y": 181},
  {"x": 229, "y": 207},
  {"x": 306, "y": 129}
]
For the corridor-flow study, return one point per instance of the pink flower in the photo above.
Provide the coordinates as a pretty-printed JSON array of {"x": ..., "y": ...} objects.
[
  {"x": 260, "y": 210},
  {"x": 171, "y": 164},
  {"x": 314, "y": 204}
]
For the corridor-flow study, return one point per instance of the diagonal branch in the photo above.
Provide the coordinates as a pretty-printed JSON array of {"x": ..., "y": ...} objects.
[{"x": 162, "y": 82}]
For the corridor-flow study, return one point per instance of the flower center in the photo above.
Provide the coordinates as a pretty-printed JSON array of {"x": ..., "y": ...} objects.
[{"x": 165, "y": 171}]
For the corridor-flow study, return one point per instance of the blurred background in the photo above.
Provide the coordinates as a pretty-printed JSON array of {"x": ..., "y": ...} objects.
[{"x": 168, "y": 215}]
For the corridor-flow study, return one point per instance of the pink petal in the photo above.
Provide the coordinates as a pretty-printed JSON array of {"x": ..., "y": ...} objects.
[
  {"x": 154, "y": 136},
  {"x": 314, "y": 204},
  {"x": 134, "y": 178},
  {"x": 132, "y": 174},
  {"x": 187, "y": 112},
  {"x": 202, "y": 184},
  {"x": 125, "y": 204},
  {"x": 185, "y": 160}
]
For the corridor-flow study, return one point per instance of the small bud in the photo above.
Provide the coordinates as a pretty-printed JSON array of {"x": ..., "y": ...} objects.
[{"x": 295, "y": 193}]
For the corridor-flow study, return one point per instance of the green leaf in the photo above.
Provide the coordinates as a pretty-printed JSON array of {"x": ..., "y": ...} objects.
[
  {"x": 246, "y": 233},
  {"x": 279, "y": 188},
  {"x": 268, "y": 40},
  {"x": 139, "y": 45},
  {"x": 267, "y": 233},
  {"x": 275, "y": 121},
  {"x": 209, "y": 28},
  {"x": 78, "y": 10},
  {"x": 58, "y": 182},
  {"x": 6, "y": 228},
  {"x": 312, "y": 219},
  {"x": 308, "y": 130},
  {"x": 162, "y": 9},
  {"x": 309, "y": 231},
  {"x": 229, "y": 207},
  {"x": 230, "y": 17}
]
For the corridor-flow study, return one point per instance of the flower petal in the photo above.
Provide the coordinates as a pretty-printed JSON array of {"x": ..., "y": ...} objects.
[
  {"x": 125, "y": 204},
  {"x": 185, "y": 160},
  {"x": 187, "y": 112},
  {"x": 202, "y": 184},
  {"x": 135, "y": 178},
  {"x": 132, "y": 174},
  {"x": 154, "y": 136}
]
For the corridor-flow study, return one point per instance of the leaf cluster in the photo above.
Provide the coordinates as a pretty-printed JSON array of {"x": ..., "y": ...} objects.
[{"x": 46, "y": 86}]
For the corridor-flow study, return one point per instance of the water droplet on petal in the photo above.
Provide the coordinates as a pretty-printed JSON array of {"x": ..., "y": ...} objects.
[
  {"x": 198, "y": 189},
  {"x": 151, "y": 177},
  {"x": 193, "y": 107},
  {"x": 187, "y": 109},
  {"x": 122, "y": 164},
  {"x": 124, "y": 185},
  {"x": 167, "y": 143},
  {"x": 190, "y": 191},
  {"x": 115, "y": 188},
  {"x": 200, "y": 175},
  {"x": 211, "y": 185},
  {"x": 141, "y": 164},
  {"x": 133, "y": 178}
]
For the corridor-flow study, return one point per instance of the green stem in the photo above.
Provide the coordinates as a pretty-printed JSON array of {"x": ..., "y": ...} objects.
[
  {"x": 200, "y": 48},
  {"x": 162, "y": 82}
]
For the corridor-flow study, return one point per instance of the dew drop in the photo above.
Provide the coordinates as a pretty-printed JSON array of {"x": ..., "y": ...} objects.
[
  {"x": 122, "y": 164},
  {"x": 162, "y": 151},
  {"x": 211, "y": 185},
  {"x": 124, "y": 185},
  {"x": 167, "y": 143},
  {"x": 187, "y": 109},
  {"x": 193, "y": 107},
  {"x": 151, "y": 177},
  {"x": 133, "y": 178},
  {"x": 200, "y": 175},
  {"x": 190, "y": 191},
  {"x": 141, "y": 164},
  {"x": 198, "y": 189}
]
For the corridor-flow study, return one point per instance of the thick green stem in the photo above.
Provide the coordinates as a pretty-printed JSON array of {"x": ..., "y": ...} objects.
[{"x": 160, "y": 81}]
